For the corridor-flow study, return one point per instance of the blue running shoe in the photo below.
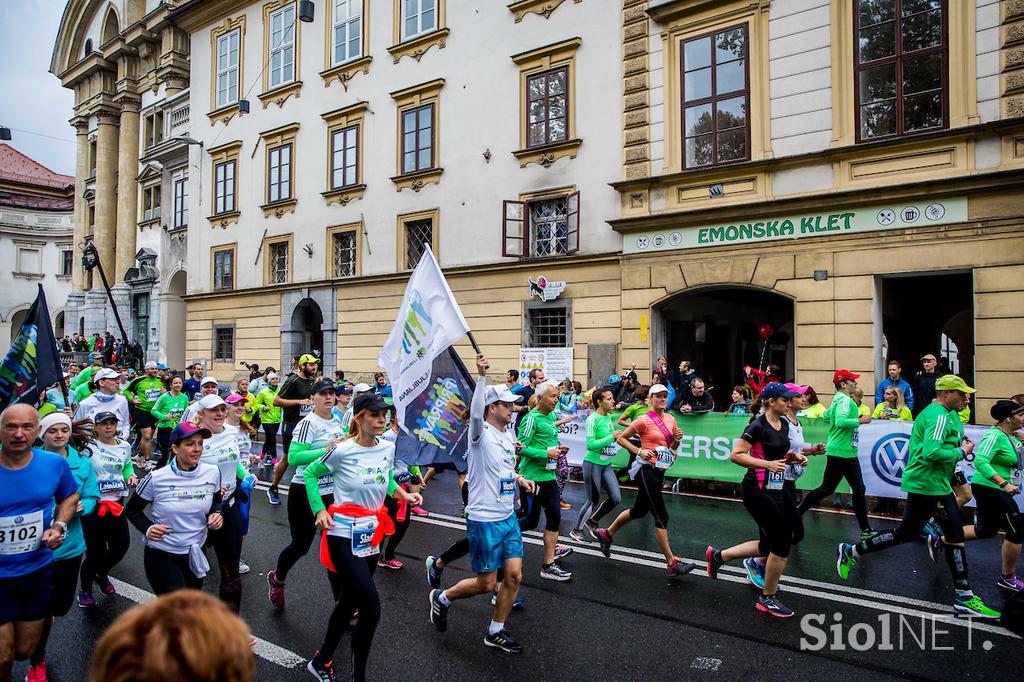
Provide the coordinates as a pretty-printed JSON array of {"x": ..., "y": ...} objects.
[{"x": 755, "y": 572}]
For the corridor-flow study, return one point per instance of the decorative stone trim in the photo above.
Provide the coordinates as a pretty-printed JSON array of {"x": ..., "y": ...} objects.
[
  {"x": 417, "y": 181},
  {"x": 1011, "y": 48},
  {"x": 279, "y": 208},
  {"x": 279, "y": 95},
  {"x": 419, "y": 45},
  {"x": 343, "y": 195},
  {"x": 548, "y": 154},
  {"x": 224, "y": 114},
  {"x": 542, "y": 7},
  {"x": 635, "y": 102},
  {"x": 224, "y": 219},
  {"x": 343, "y": 73}
]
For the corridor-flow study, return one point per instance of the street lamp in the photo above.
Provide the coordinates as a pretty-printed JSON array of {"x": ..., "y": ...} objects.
[
  {"x": 90, "y": 260},
  {"x": 186, "y": 140}
]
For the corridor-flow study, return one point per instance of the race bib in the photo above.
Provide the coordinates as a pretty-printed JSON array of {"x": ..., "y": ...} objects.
[
  {"x": 1017, "y": 476},
  {"x": 362, "y": 536},
  {"x": 855, "y": 441},
  {"x": 774, "y": 481},
  {"x": 551, "y": 465},
  {"x": 304, "y": 410},
  {"x": 665, "y": 458},
  {"x": 112, "y": 486},
  {"x": 326, "y": 484},
  {"x": 609, "y": 451},
  {"x": 506, "y": 489},
  {"x": 21, "y": 533}
]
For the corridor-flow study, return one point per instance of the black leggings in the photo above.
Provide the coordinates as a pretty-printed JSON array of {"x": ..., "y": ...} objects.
[
  {"x": 168, "y": 572},
  {"x": 227, "y": 545},
  {"x": 353, "y": 589},
  {"x": 106, "y": 543},
  {"x": 65, "y": 580},
  {"x": 997, "y": 512},
  {"x": 919, "y": 509},
  {"x": 649, "y": 482},
  {"x": 302, "y": 525},
  {"x": 776, "y": 516},
  {"x": 270, "y": 442},
  {"x": 836, "y": 469},
  {"x": 391, "y": 542},
  {"x": 798, "y": 531},
  {"x": 459, "y": 549},
  {"x": 163, "y": 438},
  {"x": 548, "y": 498}
]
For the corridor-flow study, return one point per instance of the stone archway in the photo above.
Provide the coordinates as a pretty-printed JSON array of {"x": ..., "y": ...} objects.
[
  {"x": 172, "y": 319},
  {"x": 308, "y": 323}
]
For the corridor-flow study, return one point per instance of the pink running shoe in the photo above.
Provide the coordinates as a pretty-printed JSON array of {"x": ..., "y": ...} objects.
[
  {"x": 276, "y": 591},
  {"x": 393, "y": 564},
  {"x": 36, "y": 673},
  {"x": 419, "y": 511}
]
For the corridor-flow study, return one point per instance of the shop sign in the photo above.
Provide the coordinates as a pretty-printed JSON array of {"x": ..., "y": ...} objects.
[
  {"x": 545, "y": 289},
  {"x": 756, "y": 229},
  {"x": 555, "y": 362}
]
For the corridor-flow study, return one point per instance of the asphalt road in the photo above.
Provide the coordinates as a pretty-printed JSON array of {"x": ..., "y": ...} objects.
[{"x": 619, "y": 618}]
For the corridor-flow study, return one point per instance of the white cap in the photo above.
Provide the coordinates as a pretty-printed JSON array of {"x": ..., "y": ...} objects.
[
  {"x": 500, "y": 392},
  {"x": 52, "y": 419},
  {"x": 270, "y": 376},
  {"x": 361, "y": 388},
  {"x": 657, "y": 388},
  {"x": 208, "y": 379},
  {"x": 208, "y": 402},
  {"x": 150, "y": 365},
  {"x": 106, "y": 374}
]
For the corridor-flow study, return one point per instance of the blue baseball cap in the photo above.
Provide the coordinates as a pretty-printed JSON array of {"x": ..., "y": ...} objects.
[
  {"x": 161, "y": 365},
  {"x": 187, "y": 430},
  {"x": 614, "y": 379},
  {"x": 777, "y": 390}
]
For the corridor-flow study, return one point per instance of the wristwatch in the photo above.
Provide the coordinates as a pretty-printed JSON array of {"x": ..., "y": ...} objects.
[{"x": 63, "y": 528}]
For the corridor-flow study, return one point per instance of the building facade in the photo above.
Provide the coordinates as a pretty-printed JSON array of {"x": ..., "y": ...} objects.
[
  {"x": 36, "y": 207},
  {"x": 128, "y": 67}
]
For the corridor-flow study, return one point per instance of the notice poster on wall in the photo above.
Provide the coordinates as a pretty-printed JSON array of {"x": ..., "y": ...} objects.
[{"x": 556, "y": 363}]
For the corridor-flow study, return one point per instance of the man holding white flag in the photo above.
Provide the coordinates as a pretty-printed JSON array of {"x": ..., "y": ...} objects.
[{"x": 429, "y": 321}]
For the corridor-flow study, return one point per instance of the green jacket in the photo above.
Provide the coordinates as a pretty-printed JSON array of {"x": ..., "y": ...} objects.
[
  {"x": 996, "y": 454},
  {"x": 168, "y": 409},
  {"x": 269, "y": 412},
  {"x": 600, "y": 435},
  {"x": 841, "y": 417},
  {"x": 933, "y": 452},
  {"x": 146, "y": 390},
  {"x": 537, "y": 433}
]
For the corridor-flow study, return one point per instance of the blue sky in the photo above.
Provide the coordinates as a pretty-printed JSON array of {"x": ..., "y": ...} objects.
[{"x": 32, "y": 99}]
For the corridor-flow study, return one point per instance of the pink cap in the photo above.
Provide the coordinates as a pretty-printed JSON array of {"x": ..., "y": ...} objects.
[
  {"x": 234, "y": 398},
  {"x": 797, "y": 388}
]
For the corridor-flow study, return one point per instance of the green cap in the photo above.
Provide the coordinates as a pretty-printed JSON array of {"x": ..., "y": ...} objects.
[
  {"x": 307, "y": 358},
  {"x": 951, "y": 382}
]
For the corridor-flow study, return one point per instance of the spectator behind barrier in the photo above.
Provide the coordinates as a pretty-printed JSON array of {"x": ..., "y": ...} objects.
[
  {"x": 696, "y": 399},
  {"x": 740, "y": 404},
  {"x": 924, "y": 383},
  {"x": 895, "y": 370},
  {"x": 815, "y": 410},
  {"x": 893, "y": 406}
]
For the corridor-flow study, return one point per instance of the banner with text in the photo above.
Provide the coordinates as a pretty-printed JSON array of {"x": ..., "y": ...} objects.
[{"x": 556, "y": 363}]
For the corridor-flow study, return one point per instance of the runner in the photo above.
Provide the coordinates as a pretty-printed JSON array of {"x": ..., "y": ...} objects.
[
  {"x": 234, "y": 422},
  {"x": 933, "y": 453},
  {"x": 270, "y": 418},
  {"x": 167, "y": 410},
  {"x": 400, "y": 513},
  {"x": 494, "y": 537},
  {"x": 765, "y": 450},
  {"x": 293, "y": 396},
  {"x": 353, "y": 528},
  {"x": 143, "y": 393},
  {"x": 186, "y": 503},
  {"x": 57, "y": 434},
  {"x": 106, "y": 531},
  {"x": 841, "y": 451},
  {"x": 106, "y": 399},
  {"x": 38, "y": 503},
  {"x": 539, "y": 457},
  {"x": 316, "y": 433},
  {"x": 597, "y": 466},
  {"x": 208, "y": 386},
  {"x": 659, "y": 438},
  {"x": 221, "y": 450}
]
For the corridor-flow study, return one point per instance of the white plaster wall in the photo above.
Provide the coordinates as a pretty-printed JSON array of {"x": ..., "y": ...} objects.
[
  {"x": 987, "y": 43},
  {"x": 479, "y": 110}
]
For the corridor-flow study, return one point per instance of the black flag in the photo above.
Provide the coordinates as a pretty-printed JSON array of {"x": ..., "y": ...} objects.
[{"x": 33, "y": 363}]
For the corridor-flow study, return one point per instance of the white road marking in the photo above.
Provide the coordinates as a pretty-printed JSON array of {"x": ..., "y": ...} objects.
[
  {"x": 268, "y": 651},
  {"x": 703, "y": 663}
]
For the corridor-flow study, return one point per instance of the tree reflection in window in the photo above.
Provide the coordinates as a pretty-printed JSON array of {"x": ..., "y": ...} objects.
[{"x": 716, "y": 98}]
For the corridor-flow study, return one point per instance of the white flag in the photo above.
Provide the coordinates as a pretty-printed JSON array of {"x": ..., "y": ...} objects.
[{"x": 429, "y": 321}]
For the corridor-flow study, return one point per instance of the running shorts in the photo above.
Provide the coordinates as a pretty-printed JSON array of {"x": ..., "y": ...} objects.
[
  {"x": 491, "y": 543},
  {"x": 144, "y": 420},
  {"x": 26, "y": 597}
]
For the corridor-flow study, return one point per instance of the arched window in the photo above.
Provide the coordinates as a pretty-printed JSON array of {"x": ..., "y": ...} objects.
[{"x": 87, "y": 50}]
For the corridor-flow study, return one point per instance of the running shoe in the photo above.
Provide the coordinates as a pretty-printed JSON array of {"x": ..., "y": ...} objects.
[
  {"x": 321, "y": 670},
  {"x": 275, "y": 499},
  {"x": 936, "y": 548},
  {"x": 564, "y": 505},
  {"x": 773, "y": 607},
  {"x": 517, "y": 604},
  {"x": 973, "y": 607},
  {"x": 845, "y": 559},
  {"x": 438, "y": 611},
  {"x": 865, "y": 534},
  {"x": 562, "y": 551},
  {"x": 419, "y": 511},
  {"x": 678, "y": 567},
  {"x": 37, "y": 671},
  {"x": 433, "y": 573},
  {"x": 555, "y": 572},
  {"x": 1013, "y": 583},
  {"x": 502, "y": 640},
  {"x": 85, "y": 599},
  {"x": 755, "y": 572},
  {"x": 243, "y": 567},
  {"x": 106, "y": 587},
  {"x": 393, "y": 564},
  {"x": 592, "y": 528},
  {"x": 577, "y": 535},
  {"x": 715, "y": 561},
  {"x": 276, "y": 590},
  {"x": 604, "y": 538}
]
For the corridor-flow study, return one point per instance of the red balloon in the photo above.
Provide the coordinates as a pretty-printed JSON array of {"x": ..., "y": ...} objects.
[{"x": 765, "y": 330}]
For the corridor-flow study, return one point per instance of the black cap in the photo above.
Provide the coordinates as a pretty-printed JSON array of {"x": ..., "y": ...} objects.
[
  {"x": 323, "y": 386},
  {"x": 1004, "y": 409},
  {"x": 107, "y": 416},
  {"x": 369, "y": 401}
]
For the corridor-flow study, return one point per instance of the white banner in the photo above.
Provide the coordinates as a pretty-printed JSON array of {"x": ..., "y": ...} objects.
[{"x": 556, "y": 363}]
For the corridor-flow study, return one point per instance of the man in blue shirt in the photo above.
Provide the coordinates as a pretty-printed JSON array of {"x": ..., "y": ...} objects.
[
  {"x": 895, "y": 368},
  {"x": 31, "y": 527}
]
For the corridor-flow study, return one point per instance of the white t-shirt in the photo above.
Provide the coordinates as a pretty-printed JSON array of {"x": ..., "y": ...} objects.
[
  {"x": 244, "y": 441},
  {"x": 796, "y": 444},
  {"x": 101, "y": 402},
  {"x": 491, "y": 472},
  {"x": 109, "y": 462},
  {"x": 221, "y": 450},
  {"x": 316, "y": 432},
  {"x": 361, "y": 476},
  {"x": 191, "y": 412},
  {"x": 181, "y": 500}
]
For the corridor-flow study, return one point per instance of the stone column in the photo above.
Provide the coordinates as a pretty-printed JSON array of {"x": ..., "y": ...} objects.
[
  {"x": 81, "y": 125},
  {"x": 106, "y": 187},
  {"x": 127, "y": 190}
]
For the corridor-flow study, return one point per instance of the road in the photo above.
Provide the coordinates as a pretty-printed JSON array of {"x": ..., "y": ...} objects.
[{"x": 619, "y": 618}]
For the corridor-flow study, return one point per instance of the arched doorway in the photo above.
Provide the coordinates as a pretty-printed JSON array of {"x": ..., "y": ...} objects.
[
  {"x": 307, "y": 325},
  {"x": 17, "y": 319},
  {"x": 58, "y": 324},
  {"x": 172, "y": 322},
  {"x": 717, "y": 329}
]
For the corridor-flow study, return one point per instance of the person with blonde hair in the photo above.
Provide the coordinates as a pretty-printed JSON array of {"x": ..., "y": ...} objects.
[
  {"x": 893, "y": 406},
  {"x": 185, "y": 635}
]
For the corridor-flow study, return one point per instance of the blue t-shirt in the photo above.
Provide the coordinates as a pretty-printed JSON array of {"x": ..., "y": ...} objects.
[
  {"x": 26, "y": 511},
  {"x": 190, "y": 387}
]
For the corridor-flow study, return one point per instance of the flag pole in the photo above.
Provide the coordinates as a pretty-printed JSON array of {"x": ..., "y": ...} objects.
[{"x": 476, "y": 347}]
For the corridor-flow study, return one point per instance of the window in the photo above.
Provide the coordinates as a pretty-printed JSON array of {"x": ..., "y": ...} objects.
[
  {"x": 277, "y": 256},
  {"x": 545, "y": 226},
  {"x": 901, "y": 71},
  {"x": 153, "y": 128},
  {"x": 224, "y": 343},
  {"x": 348, "y": 30},
  {"x": 150, "y": 203},
  {"x": 716, "y": 98},
  {"x": 418, "y": 124},
  {"x": 417, "y": 232},
  {"x": 547, "y": 327},
  {"x": 282, "y": 46},
  {"x": 92, "y": 158},
  {"x": 29, "y": 261},
  {"x": 345, "y": 157},
  {"x": 418, "y": 17},
  {"x": 228, "y": 67},
  {"x": 344, "y": 257},
  {"x": 279, "y": 173},
  {"x": 224, "y": 269},
  {"x": 180, "y": 194},
  {"x": 417, "y": 139},
  {"x": 67, "y": 259},
  {"x": 224, "y": 187},
  {"x": 547, "y": 107}
]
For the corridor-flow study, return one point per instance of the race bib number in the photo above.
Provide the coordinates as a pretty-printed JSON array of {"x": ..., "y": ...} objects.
[
  {"x": 774, "y": 481},
  {"x": 1017, "y": 476},
  {"x": 855, "y": 441},
  {"x": 112, "y": 486},
  {"x": 665, "y": 458},
  {"x": 326, "y": 484},
  {"x": 21, "y": 533},
  {"x": 551, "y": 465},
  {"x": 506, "y": 489},
  {"x": 304, "y": 410},
  {"x": 362, "y": 536},
  {"x": 609, "y": 451}
]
